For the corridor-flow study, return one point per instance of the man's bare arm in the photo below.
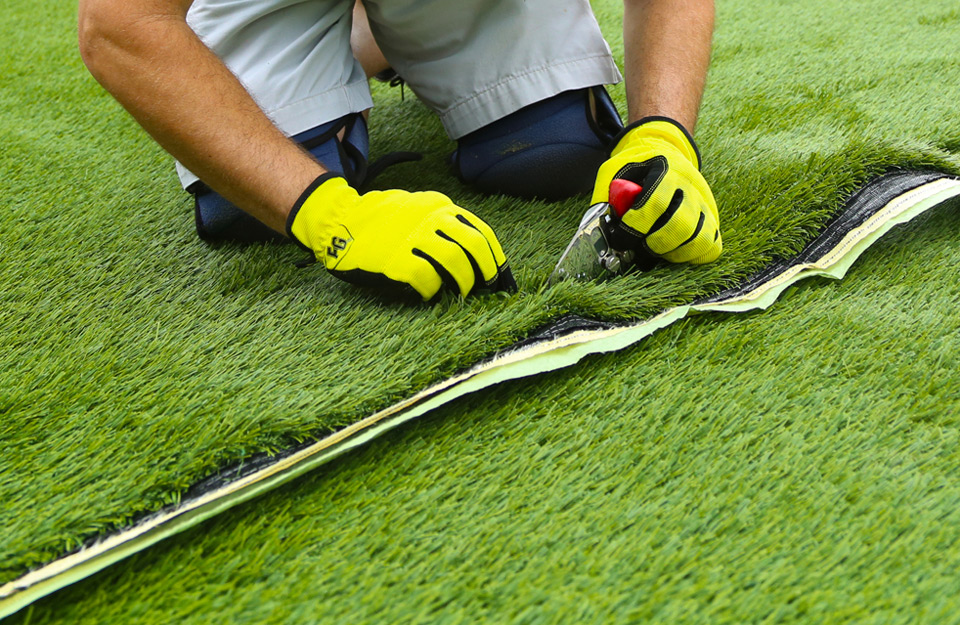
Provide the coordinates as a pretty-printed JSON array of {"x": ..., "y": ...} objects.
[
  {"x": 144, "y": 53},
  {"x": 666, "y": 54}
]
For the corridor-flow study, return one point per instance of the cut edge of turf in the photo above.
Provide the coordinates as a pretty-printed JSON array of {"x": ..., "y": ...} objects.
[{"x": 878, "y": 206}]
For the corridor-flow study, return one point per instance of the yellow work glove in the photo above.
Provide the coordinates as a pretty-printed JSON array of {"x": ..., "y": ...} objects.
[
  {"x": 675, "y": 215},
  {"x": 392, "y": 239}
]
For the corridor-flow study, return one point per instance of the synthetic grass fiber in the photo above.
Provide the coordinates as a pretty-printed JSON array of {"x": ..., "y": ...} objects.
[{"x": 136, "y": 360}]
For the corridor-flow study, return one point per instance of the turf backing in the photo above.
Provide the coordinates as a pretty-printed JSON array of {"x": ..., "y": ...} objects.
[
  {"x": 136, "y": 360},
  {"x": 794, "y": 466}
]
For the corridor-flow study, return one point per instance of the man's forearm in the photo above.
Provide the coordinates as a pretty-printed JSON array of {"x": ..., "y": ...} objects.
[
  {"x": 147, "y": 57},
  {"x": 666, "y": 54}
]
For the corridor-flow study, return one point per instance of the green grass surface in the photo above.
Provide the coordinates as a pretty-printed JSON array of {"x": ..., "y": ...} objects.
[
  {"x": 793, "y": 466},
  {"x": 135, "y": 360}
]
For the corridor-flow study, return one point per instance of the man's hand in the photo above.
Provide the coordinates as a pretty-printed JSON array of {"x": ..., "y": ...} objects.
[
  {"x": 675, "y": 215},
  {"x": 389, "y": 239}
]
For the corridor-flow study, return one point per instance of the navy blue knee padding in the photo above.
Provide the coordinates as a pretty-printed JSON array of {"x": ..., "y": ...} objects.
[
  {"x": 219, "y": 220},
  {"x": 550, "y": 149}
]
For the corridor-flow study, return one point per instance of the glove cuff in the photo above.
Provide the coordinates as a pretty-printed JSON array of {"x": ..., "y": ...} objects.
[
  {"x": 299, "y": 205},
  {"x": 665, "y": 128}
]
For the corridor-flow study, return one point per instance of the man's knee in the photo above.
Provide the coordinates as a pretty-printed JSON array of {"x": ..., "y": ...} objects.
[{"x": 550, "y": 149}]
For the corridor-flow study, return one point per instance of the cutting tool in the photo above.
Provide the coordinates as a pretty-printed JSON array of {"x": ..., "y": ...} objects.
[{"x": 599, "y": 249}]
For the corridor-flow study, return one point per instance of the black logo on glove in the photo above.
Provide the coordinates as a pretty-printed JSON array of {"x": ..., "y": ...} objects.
[{"x": 337, "y": 245}]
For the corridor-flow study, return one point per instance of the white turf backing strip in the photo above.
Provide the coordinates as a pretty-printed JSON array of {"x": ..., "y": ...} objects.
[{"x": 540, "y": 357}]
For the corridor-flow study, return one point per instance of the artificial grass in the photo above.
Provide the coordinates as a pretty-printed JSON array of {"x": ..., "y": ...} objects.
[
  {"x": 794, "y": 466},
  {"x": 136, "y": 360},
  {"x": 883, "y": 203}
]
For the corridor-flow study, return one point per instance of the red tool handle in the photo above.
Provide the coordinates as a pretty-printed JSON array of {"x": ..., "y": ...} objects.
[
  {"x": 623, "y": 193},
  {"x": 623, "y": 197}
]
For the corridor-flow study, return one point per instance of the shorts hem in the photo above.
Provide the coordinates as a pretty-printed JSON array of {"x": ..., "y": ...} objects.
[{"x": 519, "y": 90}]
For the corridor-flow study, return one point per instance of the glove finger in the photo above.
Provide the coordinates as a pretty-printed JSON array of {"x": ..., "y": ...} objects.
[
  {"x": 703, "y": 247},
  {"x": 601, "y": 188},
  {"x": 698, "y": 252},
  {"x": 475, "y": 246},
  {"x": 650, "y": 214},
  {"x": 681, "y": 221},
  {"x": 478, "y": 224},
  {"x": 504, "y": 281},
  {"x": 450, "y": 262},
  {"x": 502, "y": 278},
  {"x": 418, "y": 271}
]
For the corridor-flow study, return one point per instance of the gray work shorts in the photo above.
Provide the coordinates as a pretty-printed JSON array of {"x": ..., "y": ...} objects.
[{"x": 471, "y": 61}]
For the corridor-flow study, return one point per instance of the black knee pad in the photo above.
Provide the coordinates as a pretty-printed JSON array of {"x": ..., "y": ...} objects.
[
  {"x": 550, "y": 150},
  {"x": 217, "y": 219}
]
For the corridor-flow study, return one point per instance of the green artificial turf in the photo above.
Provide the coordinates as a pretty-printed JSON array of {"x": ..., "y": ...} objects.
[
  {"x": 794, "y": 466},
  {"x": 135, "y": 360}
]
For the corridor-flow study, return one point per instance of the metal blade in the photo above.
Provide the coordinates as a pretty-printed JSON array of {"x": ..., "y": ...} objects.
[{"x": 583, "y": 258}]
